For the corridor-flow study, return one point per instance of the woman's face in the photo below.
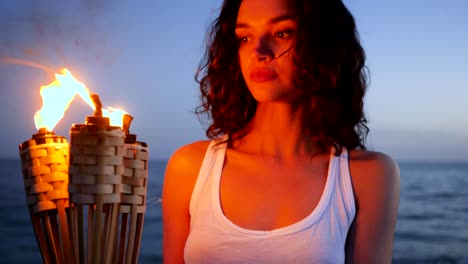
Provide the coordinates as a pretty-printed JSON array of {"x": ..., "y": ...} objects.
[{"x": 265, "y": 32}]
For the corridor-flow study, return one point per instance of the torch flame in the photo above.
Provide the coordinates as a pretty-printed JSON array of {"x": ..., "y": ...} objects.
[
  {"x": 57, "y": 97},
  {"x": 115, "y": 115}
]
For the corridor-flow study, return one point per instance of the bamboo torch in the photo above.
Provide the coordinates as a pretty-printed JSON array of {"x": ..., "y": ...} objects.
[
  {"x": 44, "y": 160},
  {"x": 96, "y": 167},
  {"x": 135, "y": 186},
  {"x": 87, "y": 200}
]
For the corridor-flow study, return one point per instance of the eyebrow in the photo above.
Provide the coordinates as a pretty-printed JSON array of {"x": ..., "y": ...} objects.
[{"x": 271, "y": 21}]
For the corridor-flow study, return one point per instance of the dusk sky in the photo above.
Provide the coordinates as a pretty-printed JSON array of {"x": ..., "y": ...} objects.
[{"x": 142, "y": 55}]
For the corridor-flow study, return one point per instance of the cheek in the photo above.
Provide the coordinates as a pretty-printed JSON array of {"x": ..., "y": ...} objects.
[
  {"x": 287, "y": 66},
  {"x": 243, "y": 61}
]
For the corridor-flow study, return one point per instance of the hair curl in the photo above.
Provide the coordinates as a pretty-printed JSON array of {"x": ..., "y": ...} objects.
[{"x": 330, "y": 75}]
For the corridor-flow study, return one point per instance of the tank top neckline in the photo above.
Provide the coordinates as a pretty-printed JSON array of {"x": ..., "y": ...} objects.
[{"x": 314, "y": 215}]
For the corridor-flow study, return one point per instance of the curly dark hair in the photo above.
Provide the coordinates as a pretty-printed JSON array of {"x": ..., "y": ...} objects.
[{"x": 330, "y": 75}]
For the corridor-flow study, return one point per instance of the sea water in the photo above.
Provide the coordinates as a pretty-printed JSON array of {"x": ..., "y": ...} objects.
[{"x": 432, "y": 224}]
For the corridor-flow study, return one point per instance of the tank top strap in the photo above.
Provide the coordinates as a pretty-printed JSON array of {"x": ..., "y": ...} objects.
[
  {"x": 346, "y": 184},
  {"x": 214, "y": 154}
]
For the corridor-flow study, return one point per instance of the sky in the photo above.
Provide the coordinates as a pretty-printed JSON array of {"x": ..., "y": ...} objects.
[{"x": 142, "y": 56}]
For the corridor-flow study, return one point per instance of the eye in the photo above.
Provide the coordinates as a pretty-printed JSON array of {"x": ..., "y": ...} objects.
[
  {"x": 242, "y": 39},
  {"x": 284, "y": 34}
]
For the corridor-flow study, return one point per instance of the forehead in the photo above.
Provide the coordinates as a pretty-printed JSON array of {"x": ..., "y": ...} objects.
[{"x": 261, "y": 10}]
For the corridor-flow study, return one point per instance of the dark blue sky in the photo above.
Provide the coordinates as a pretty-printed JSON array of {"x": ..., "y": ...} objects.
[{"x": 142, "y": 56}]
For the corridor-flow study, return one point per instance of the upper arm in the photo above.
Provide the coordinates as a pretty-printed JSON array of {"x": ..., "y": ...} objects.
[
  {"x": 376, "y": 183},
  {"x": 179, "y": 180}
]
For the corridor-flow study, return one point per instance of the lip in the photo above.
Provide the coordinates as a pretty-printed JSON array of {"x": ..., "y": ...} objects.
[{"x": 263, "y": 75}]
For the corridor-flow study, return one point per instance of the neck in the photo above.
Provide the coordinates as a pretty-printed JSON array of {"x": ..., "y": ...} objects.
[{"x": 276, "y": 131}]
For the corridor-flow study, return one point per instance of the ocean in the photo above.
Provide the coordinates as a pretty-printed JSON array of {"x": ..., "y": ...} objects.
[{"x": 432, "y": 222}]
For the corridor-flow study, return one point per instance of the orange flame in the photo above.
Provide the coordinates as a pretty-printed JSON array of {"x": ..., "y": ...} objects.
[
  {"x": 115, "y": 115},
  {"x": 57, "y": 97}
]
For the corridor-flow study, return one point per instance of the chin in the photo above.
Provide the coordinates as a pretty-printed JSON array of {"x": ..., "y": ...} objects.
[
  {"x": 271, "y": 97},
  {"x": 268, "y": 92}
]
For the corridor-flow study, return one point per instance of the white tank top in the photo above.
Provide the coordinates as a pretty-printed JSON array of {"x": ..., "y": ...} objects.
[{"x": 318, "y": 238}]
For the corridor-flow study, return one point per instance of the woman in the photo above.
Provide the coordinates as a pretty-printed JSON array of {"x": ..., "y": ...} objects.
[{"x": 286, "y": 178}]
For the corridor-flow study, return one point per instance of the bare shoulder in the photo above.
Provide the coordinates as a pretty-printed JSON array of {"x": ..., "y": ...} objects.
[
  {"x": 179, "y": 180},
  {"x": 364, "y": 163},
  {"x": 373, "y": 171},
  {"x": 185, "y": 162},
  {"x": 180, "y": 177},
  {"x": 189, "y": 153},
  {"x": 366, "y": 157},
  {"x": 376, "y": 184}
]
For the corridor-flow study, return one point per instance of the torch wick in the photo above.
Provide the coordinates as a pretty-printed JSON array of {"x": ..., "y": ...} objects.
[
  {"x": 127, "y": 120},
  {"x": 42, "y": 130},
  {"x": 97, "y": 104}
]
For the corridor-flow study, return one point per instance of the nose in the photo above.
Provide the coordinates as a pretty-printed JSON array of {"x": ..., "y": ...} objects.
[{"x": 262, "y": 49}]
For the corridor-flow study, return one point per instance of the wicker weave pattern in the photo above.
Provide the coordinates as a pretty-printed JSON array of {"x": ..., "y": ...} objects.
[
  {"x": 45, "y": 173},
  {"x": 96, "y": 166},
  {"x": 135, "y": 178}
]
